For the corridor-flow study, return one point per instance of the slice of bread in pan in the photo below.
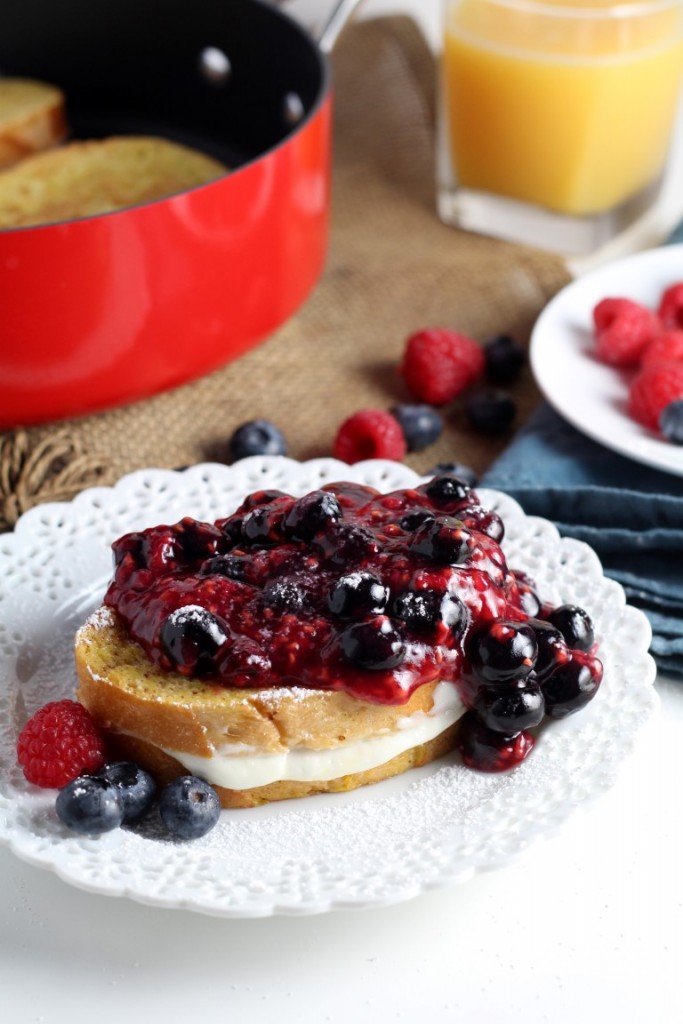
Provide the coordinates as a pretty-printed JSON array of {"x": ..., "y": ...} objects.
[
  {"x": 31, "y": 118},
  {"x": 85, "y": 178}
]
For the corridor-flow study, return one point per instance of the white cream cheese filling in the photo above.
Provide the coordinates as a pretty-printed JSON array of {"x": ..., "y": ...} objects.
[{"x": 231, "y": 768}]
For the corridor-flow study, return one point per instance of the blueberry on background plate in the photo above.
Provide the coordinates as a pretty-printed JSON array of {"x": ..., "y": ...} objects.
[
  {"x": 189, "y": 807},
  {"x": 257, "y": 437},
  {"x": 422, "y": 425},
  {"x": 671, "y": 421}
]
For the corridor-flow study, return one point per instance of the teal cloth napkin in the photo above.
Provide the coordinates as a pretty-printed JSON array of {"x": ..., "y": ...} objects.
[{"x": 630, "y": 514}]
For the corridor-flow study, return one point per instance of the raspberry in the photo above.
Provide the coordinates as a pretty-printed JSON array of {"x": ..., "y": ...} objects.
[
  {"x": 369, "y": 434},
  {"x": 439, "y": 364},
  {"x": 667, "y": 348},
  {"x": 653, "y": 389},
  {"x": 623, "y": 329},
  {"x": 671, "y": 307},
  {"x": 60, "y": 743}
]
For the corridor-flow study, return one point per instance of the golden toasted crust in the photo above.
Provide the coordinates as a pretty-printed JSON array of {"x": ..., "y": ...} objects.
[
  {"x": 142, "y": 709},
  {"x": 31, "y": 118},
  {"x": 94, "y": 177}
]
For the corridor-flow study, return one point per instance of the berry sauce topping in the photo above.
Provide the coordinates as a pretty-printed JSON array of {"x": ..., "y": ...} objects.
[{"x": 372, "y": 594}]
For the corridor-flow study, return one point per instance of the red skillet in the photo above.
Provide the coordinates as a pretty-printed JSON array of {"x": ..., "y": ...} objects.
[{"x": 108, "y": 309}]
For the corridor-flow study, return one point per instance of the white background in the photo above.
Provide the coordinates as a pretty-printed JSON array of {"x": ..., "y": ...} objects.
[{"x": 587, "y": 926}]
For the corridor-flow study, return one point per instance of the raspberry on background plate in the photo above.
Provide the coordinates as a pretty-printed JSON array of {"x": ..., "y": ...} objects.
[
  {"x": 671, "y": 306},
  {"x": 623, "y": 329},
  {"x": 668, "y": 347},
  {"x": 655, "y": 387}
]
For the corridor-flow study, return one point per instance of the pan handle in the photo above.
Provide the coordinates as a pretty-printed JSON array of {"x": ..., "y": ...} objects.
[
  {"x": 326, "y": 35},
  {"x": 336, "y": 20}
]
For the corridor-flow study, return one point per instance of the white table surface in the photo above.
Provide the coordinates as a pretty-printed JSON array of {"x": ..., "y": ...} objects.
[{"x": 585, "y": 926}]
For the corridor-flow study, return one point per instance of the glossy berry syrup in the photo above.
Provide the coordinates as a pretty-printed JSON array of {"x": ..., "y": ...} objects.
[{"x": 349, "y": 589}]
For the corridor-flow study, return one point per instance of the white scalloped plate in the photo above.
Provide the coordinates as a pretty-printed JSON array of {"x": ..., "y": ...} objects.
[
  {"x": 386, "y": 843},
  {"x": 591, "y": 395}
]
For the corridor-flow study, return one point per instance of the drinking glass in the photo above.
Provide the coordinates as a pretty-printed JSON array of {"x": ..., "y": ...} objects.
[{"x": 557, "y": 116}]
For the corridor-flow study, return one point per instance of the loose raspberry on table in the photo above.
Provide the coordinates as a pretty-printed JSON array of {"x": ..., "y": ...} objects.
[
  {"x": 623, "y": 329},
  {"x": 439, "y": 364},
  {"x": 369, "y": 434},
  {"x": 653, "y": 389},
  {"x": 671, "y": 307},
  {"x": 59, "y": 743},
  {"x": 668, "y": 347}
]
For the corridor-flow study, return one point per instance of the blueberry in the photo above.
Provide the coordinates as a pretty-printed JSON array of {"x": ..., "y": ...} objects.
[
  {"x": 257, "y": 437},
  {"x": 419, "y": 609},
  {"x": 284, "y": 595},
  {"x": 503, "y": 652},
  {"x": 552, "y": 649},
  {"x": 412, "y": 520},
  {"x": 510, "y": 709},
  {"x": 189, "y": 807},
  {"x": 447, "y": 490},
  {"x": 490, "y": 412},
  {"x": 422, "y": 425},
  {"x": 268, "y": 496},
  {"x": 529, "y": 601},
  {"x": 197, "y": 540},
  {"x": 422, "y": 610},
  {"x": 312, "y": 513},
  {"x": 234, "y": 567},
  {"x": 262, "y": 525},
  {"x": 245, "y": 661},
  {"x": 486, "y": 750},
  {"x": 90, "y": 806},
  {"x": 671, "y": 421},
  {"x": 131, "y": 546},
  {"x": 575, "y": 626},
  {"x": 373, "y": 645},
  {"x": 358, "y": 594},
  {"x": 484, "y": 521},
  {"x": 191, "y": 636},
  {"x": 232, "y": 529},
  {"x": 570, "y": 687},
  {"x": 504, "y": 357},
  {"x": 136, "y": 788},
  {"x": 347, "y": 544},
  {"x": 443, "y": 540},
  {"x": 459, "y": 469}
]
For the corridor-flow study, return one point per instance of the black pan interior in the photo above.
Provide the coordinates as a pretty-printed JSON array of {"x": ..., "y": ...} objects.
[{"x": 135, "y": 66}]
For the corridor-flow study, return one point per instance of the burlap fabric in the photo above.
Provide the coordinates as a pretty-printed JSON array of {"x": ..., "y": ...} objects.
[{"x": 393, "y": 268}]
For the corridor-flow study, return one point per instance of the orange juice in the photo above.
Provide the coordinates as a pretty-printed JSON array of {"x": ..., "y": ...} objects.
[{"x": 561, "y": 104}]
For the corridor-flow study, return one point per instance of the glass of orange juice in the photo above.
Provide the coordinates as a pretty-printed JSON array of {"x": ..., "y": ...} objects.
[{"x": 557, "y": 116}]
